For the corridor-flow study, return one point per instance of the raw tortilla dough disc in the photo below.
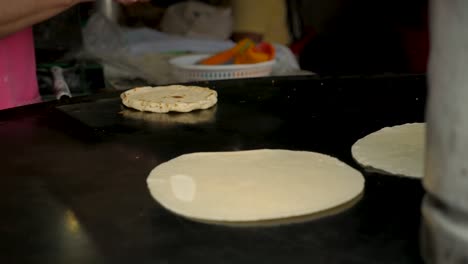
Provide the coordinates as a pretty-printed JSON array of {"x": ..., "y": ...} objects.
[
  {"x": 397, "y": 150},
  {"x": 253, "y": 185},
  {"x": 163, "y": 99}
]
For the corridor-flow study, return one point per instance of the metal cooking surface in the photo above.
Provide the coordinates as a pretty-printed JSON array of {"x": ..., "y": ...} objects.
[{"x": 73, "y": 178}]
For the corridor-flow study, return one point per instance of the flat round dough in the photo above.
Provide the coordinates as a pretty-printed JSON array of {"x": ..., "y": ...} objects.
[
  {"x": 397, "y": 150},
  {"x": 253, "y": 185},
  {"x": 163, "y": 99}
]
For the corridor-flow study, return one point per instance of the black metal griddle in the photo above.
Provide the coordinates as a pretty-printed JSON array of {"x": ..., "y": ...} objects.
[{"x": 73, "y": 176}]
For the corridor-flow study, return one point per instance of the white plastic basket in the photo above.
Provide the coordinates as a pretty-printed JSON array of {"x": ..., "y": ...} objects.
[{"x": 185, "y": 69}]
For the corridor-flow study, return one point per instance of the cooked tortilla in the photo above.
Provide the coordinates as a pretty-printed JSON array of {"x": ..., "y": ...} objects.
[{"x": 164, "y": 99}]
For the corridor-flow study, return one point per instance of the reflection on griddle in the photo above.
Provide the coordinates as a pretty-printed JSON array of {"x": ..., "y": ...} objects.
[
  {"x": 190, "y": 118},
  {"x": 286, "y": 221}
]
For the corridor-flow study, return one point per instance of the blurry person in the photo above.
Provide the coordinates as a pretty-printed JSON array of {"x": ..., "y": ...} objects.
[
  {"x": 260, "y": 20},
  {"x": 18, "y": 82}
]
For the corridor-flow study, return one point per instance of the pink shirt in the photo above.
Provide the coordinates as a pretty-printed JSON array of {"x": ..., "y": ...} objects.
[{"x": 18, "y": 81}]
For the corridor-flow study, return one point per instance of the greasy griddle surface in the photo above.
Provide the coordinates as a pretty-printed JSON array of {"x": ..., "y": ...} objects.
[{"x": 105, "y": 156}]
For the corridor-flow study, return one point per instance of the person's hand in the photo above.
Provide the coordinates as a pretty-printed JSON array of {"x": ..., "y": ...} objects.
[{"x": 129, "y": 2}]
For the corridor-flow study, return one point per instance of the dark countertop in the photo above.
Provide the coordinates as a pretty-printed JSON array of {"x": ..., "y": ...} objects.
[{"x": 73, "y": 184}]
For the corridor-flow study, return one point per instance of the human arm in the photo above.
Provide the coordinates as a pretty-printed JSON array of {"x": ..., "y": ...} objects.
[{"x": 18, "y": 14}]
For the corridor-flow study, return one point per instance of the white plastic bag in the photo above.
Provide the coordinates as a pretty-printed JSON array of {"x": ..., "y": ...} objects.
[{"x": 199, "y": 20}]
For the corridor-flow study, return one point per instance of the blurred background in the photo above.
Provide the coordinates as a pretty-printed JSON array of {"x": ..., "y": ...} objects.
[{"x": 99, "y": 52}]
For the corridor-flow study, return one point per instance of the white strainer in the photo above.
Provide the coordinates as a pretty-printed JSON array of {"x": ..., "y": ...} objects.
[{"x": 185, "y": 69}]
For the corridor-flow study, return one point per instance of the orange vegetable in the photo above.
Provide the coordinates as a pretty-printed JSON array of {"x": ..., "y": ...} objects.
[
  {"x": 244, "y": 52},
  {"x": 266, "y": 48},
  {"x": 226, "y": 56},
  {"x": 260, "y": 53}
]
